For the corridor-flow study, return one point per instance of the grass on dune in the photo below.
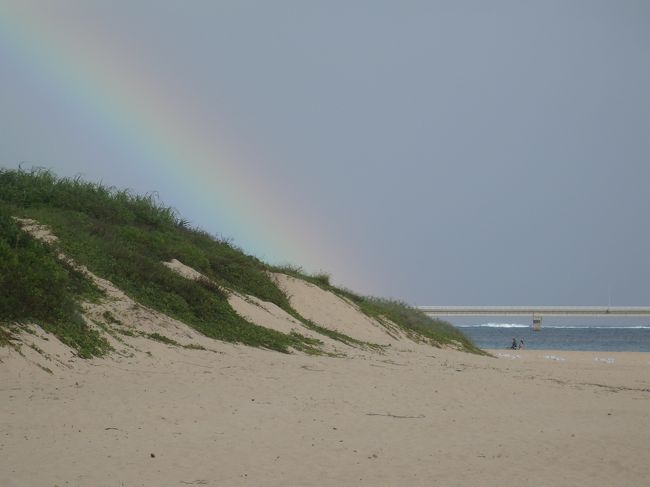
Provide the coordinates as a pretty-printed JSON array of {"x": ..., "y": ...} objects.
[
  {"x": 37, "y": 287},
  {"x": 124, "y": 238},
  {"x": 412, "y": 321}
]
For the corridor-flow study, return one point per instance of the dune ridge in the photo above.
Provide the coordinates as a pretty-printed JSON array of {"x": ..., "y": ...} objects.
[{"x": 127, "y": 325}]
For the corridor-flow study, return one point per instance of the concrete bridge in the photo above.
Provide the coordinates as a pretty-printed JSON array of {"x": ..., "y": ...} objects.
[{"x": 536, "y": 310}]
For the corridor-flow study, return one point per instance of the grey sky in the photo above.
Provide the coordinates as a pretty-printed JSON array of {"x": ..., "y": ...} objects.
[{"x": 459, "y": 152}]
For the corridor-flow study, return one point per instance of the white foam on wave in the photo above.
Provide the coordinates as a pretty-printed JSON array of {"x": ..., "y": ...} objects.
[{"x": 496, "y": 325}]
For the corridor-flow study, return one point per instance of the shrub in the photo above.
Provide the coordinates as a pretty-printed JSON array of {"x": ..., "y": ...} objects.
[{"x": 37, "y": 287}]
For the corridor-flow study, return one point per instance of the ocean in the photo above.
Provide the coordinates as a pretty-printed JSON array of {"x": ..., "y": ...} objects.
[{"x": 625, "y": 338}]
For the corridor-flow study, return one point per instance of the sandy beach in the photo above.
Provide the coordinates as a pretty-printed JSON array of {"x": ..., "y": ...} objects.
[
  {"x": 264, "y": 244},
  {"x": 415, "y": 415},
  {"x": 197, "y": 411}
]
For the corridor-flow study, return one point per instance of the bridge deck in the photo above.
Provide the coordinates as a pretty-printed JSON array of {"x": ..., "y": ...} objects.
[{"x": 536, "y": 310}]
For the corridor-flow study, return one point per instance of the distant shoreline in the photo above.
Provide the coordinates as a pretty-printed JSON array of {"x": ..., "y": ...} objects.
[{"x": 575, "y": 338}]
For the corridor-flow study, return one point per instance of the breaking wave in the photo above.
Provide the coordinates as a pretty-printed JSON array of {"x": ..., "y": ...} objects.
[
  {"x": 496, "y": 325},
  {"x": 584, "y": 327}
]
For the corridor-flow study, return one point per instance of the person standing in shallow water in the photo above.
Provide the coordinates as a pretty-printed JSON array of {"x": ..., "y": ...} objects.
[
  {"x": 521, "y": 344},
  {"x": 514, "y": 344}
]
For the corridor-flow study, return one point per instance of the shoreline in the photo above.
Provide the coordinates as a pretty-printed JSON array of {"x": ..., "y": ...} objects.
[
  {"x": 570, "y": 339},
  {"x": 564, "y": 350}
]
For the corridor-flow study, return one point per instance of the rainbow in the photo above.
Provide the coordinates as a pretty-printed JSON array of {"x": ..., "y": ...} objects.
[{"x": 134, "y": 107}]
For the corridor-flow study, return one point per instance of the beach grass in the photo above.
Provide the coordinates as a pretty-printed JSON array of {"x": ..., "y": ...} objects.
[
  {"x": 38, "y": 287},
  {"x": 125, "y": 238}
]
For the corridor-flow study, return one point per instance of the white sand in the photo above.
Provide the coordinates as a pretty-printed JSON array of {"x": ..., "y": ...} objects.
[
  {"x": 41, "y": 232},
  {"x": 186, "y": 271},
  {"x": 253, "y": 417},
  {"x": 158, "y": 415},
  {"x": 335, "y": 313}
]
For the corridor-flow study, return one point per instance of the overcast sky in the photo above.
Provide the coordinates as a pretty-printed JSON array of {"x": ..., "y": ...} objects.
[{"x": 461, "y": 153}]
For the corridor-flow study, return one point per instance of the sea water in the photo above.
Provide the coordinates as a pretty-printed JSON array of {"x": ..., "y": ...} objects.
[{"x": 594, "y": 337}]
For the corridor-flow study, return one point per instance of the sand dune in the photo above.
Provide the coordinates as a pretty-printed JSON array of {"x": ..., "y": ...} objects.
[
  {"x": 335, "y": 313},
  {"x": 263, "y": 313},
  {"x": 322, "y": 307},
  {"x": 156, "y": 414},
  {"x": 118, "y": 316}
]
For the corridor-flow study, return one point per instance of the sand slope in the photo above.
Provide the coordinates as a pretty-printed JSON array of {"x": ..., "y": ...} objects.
[
  {"x": 335, "y": 313},
  {"x": 263, "y": 313},
  {"x": 253, "y": 417}
]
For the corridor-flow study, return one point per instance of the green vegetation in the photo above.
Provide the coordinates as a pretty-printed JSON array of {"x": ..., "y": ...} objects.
[
  {"x": 5, "y": 336},
  {"x": 37, "y": 287},
  {"x": 162, "y": 339},
  {"x": 338, "y": 336},
  {"x": 125, "y": 238}
]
